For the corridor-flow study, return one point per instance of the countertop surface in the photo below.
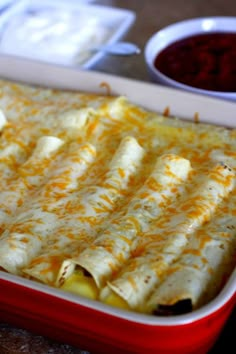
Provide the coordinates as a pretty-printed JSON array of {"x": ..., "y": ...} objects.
[{"x": 151, "y": 16}]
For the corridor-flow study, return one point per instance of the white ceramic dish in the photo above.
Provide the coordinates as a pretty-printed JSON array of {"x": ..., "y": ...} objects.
[
  {"x": 61, "y": 32},
  {"x": 91, "y": 324},
  {"x": 177, "y": 31},
  {"x": 149, "y": 95}
]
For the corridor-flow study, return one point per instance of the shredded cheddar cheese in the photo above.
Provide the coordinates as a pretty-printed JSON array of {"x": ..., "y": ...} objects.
[{"x": 107, "y": 200}]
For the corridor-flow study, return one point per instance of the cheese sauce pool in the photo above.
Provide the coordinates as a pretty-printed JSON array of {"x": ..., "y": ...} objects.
[{"x": 205, "y": 61}]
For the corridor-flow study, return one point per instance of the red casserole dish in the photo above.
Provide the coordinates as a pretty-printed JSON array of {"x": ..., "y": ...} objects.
[
  {"x": 91, "y": 324},
  {"x": 95, "y": 326}
]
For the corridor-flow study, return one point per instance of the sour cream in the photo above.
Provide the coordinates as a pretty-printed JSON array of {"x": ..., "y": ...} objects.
[{"x": 57, "y": 35}]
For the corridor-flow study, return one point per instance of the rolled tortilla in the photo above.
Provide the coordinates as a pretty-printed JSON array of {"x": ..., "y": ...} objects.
[
  {"x": 197, "y": 276},
  {"x": 68, "y": 124},
  {"x": 13, "y": 152},
  {"x": 158, "y": 249},
  {"x": 31, "y": 175},
  {"x": 113, "y": 247},
  {"x": 3, "y": 120},
  {"x": 90, "y": 209},
  {"x": 40, "y": 215},
  {"x": 18, "y": 138}
]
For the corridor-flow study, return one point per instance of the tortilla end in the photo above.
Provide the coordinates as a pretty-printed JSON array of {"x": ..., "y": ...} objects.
[
  {"x": 115, "y": 300},
  {"x": 179, "y": 308},
  {"x": 81, "y": 284}
]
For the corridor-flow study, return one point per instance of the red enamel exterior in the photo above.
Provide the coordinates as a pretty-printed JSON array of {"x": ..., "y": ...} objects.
[
  {"x": 88, "y": 327},
  {"x": 96, "y": 331}
]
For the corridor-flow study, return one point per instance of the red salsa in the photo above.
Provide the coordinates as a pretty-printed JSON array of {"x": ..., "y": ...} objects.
[{"x": 206, "y": 61}]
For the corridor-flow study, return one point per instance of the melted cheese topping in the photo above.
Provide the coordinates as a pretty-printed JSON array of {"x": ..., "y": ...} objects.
[{"x": 107, "y": 200}]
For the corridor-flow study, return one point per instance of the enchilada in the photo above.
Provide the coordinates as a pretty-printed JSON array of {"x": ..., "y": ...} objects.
[{"x": 117, "y": 209}]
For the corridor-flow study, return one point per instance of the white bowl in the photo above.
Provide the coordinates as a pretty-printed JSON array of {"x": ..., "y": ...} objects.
[{"x": 177, "y": 31}]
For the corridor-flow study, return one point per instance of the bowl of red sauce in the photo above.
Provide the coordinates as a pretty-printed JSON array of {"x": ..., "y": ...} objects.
[{"x": 197, "y": 55}]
